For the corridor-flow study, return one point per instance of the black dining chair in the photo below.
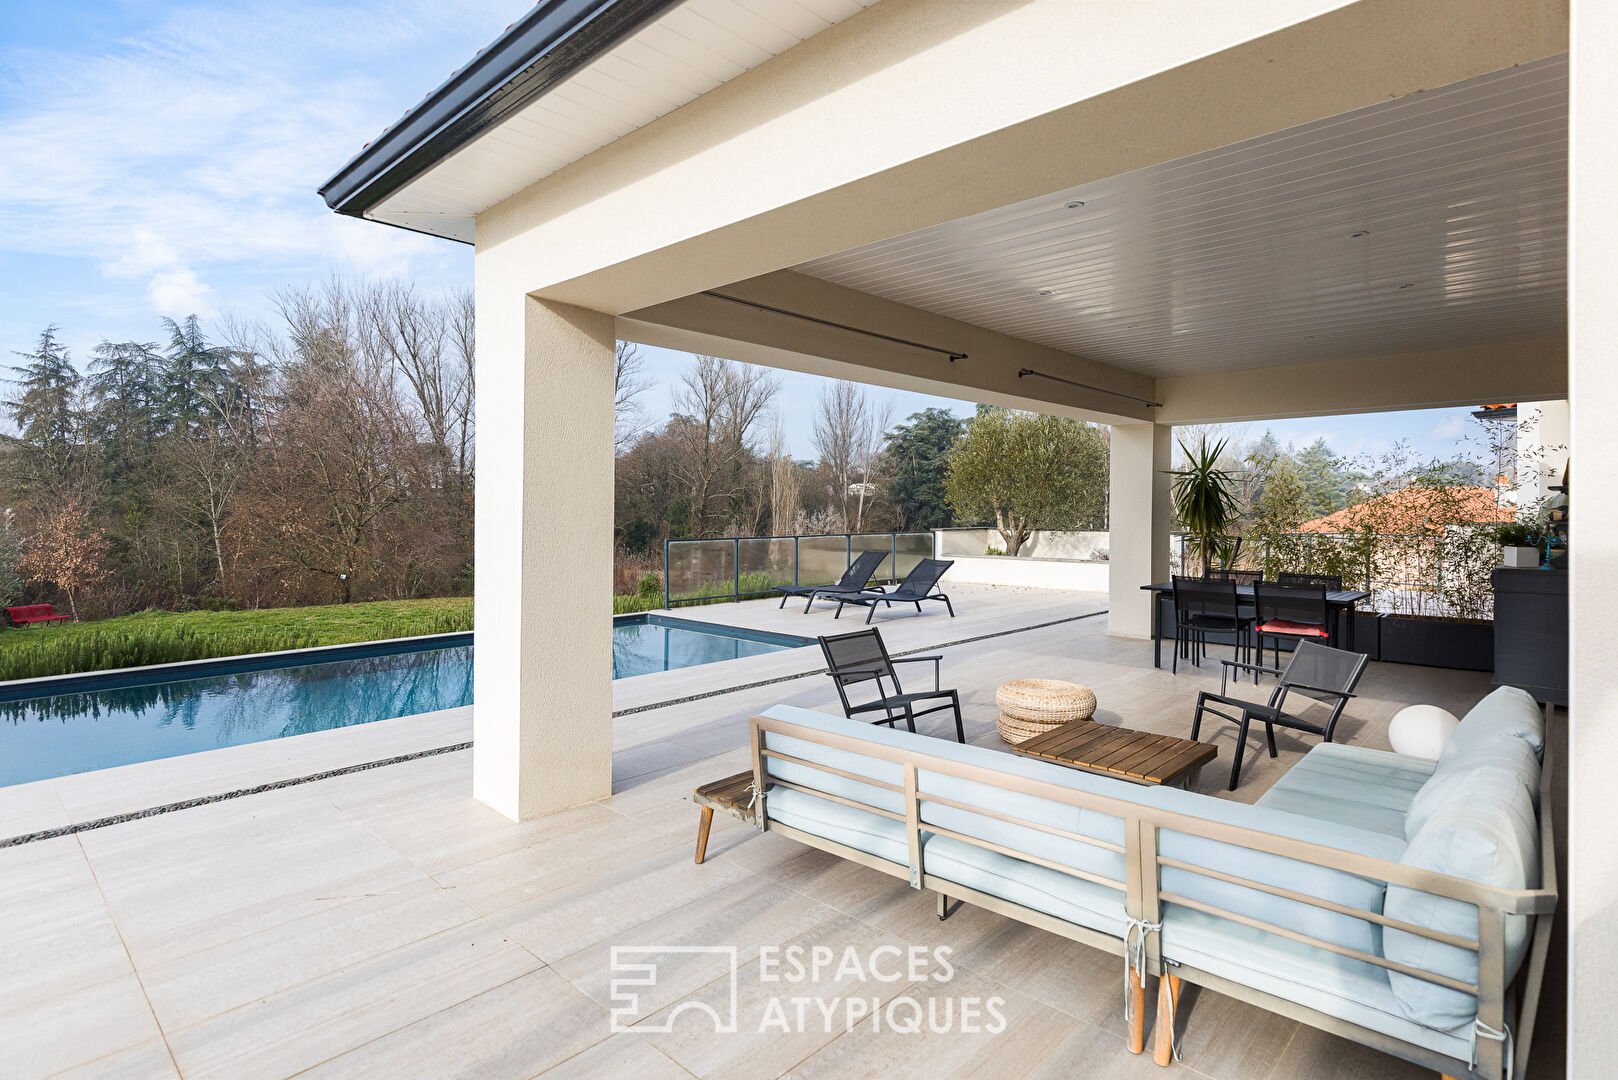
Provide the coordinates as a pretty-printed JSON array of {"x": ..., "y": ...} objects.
[
  {"x": 1289, "y": 612},
  {"x": 1325, "y": 675},
  {"x": 1240, "y": 577},
  {"x": 1202, "y": 607},
  {"x": 1329, "y": 582}
]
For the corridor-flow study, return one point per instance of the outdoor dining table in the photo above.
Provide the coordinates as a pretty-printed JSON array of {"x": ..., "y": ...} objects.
[{"x": 1337, "y": 601}]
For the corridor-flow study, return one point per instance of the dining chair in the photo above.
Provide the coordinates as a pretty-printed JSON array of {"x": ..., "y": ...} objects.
[{"x": 1202, "y": 607}]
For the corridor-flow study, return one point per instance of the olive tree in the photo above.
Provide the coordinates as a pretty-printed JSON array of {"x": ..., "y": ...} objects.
[{"x": 1027, "y": 471}]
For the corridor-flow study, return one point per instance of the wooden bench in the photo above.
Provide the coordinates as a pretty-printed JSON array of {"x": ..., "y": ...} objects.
[
  {"x": 733, "y": 795},
  {"x": 33, "y": 613}
]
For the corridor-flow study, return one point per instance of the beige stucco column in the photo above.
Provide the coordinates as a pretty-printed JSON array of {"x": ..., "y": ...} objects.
[
  {"x": 542, "y": 725},
  {"x": 1139, "y": 519},
  {"x": 1591, "y": 911}
]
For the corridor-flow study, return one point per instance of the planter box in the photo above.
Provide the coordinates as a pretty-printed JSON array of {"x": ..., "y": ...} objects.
[
  {"x": 1445, "y": 643},
  {"x": 1521, "y": 558}
]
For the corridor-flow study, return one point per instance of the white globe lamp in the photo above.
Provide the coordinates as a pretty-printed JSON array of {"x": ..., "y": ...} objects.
[{"x": 1421, "y": 730}]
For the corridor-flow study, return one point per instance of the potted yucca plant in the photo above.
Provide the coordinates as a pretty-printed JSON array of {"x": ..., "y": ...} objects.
[{"x": 1205, "y": 503}]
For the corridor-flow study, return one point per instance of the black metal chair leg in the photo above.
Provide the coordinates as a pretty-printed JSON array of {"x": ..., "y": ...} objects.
[
  {"x": 1241, "y": 743},
  {"x": 1269, "y": 734},
  {"x": 948, "y": 606},
  {"x": 960, "y": 728},
  {"x": 1196, "y": 720},
  {"x": 910, "y": 719}
]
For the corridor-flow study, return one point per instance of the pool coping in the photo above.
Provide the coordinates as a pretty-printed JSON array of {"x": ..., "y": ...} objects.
[{"x": 150, "y": 674}]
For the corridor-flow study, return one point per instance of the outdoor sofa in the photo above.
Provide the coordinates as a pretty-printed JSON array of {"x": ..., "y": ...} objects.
[{"x": 1313, "y": 903}]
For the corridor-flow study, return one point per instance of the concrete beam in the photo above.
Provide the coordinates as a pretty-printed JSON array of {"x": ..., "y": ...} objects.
[
  {"x": 988, "y": 373},
  {"x": 1533, "y": 370}
]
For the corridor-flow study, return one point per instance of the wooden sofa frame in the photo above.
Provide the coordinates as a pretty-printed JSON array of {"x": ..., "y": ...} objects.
[{"x": 1143, "y": 897}]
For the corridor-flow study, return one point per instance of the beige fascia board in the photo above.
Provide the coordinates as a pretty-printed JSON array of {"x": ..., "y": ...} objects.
[
  {"x": 911, "y": 114},
  {"x": 987, "y": 374},
  {"x": 1529, "y": 370}
]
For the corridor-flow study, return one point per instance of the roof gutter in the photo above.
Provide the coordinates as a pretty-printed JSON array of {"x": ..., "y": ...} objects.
[{"x": 552, "y": 42}]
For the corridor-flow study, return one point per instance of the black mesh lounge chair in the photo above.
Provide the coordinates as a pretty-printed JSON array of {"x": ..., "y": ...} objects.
[
  {"x": 861, "y": 657},
  {"x": 855, "y": 579},
  {"x": 1315, "y": 671},
  {"x": 917, "y": 586}
]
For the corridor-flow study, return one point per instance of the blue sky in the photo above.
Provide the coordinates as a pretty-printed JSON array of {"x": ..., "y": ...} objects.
[{"x": 162, "y": 159}]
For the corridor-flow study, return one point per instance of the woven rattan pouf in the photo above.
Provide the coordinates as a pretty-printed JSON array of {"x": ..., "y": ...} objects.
[{"x": 1030, "y": 707}]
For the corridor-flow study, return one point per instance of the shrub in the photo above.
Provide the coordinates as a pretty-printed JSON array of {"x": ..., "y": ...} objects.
[{"x": 650, "y": 586}]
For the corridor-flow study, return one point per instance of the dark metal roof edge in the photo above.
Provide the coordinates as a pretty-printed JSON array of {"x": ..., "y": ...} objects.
[{"x": 553, "y": 41}]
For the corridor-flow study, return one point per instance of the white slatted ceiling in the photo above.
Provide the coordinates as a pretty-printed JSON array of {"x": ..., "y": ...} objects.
[
  {"x": 692, "y": 49},
  {"x": 1242, "y": 257}
]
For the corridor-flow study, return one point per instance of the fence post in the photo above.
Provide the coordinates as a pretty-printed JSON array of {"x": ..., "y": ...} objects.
[
  {"x": 795, "y": 581},
  {"x": 665, "y": 575},
  {"x": 848, "y": 550},
  {"x": 736, "y": 571},
  {"x": 893, "y": 567}
]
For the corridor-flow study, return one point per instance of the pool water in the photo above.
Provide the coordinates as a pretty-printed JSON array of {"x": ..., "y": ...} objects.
[
  {"x": 642, "y": 644},
  {"x": 101, "y": 720}
]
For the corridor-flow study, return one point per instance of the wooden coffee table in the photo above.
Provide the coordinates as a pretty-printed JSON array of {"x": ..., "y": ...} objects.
[{"x": 1137, "y": 756}]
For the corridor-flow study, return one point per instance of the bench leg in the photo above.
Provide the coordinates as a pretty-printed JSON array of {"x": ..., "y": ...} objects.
[
  {"x": 943, "y": 907},
  {"x": 1137, "y": 1013},
  {"x": 1168, "y": 995},
  {"x": 702, "y": 832}
]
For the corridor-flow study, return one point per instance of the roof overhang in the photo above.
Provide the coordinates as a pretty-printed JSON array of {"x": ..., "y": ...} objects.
[{"x": 552, "y": 42}]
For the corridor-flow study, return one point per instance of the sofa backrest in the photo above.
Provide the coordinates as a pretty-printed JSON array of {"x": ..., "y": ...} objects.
[
  {"x": 986, "y": 799},
  {"x": 1475, "y": 818}
]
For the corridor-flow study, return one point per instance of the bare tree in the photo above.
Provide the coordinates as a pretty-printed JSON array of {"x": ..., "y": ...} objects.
[
  {"x": 412, "y": 337},
  {"x": 461, "y": 310},
  {"x": 783, "y": 484},
  {"x": 848, "y": 437},
  {"x": 720, "y": 402},
  {"x": 629, "y": 382}
]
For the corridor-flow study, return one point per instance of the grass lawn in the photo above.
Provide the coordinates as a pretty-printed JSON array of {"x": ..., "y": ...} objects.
[{"x": 160, "y": 637}]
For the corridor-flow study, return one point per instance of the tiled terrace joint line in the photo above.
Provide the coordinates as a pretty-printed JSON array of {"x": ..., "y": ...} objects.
[
  {"x": 203, "y": 800},
  {"x": 821, "y": 671},
  {"x": 258, "y": 789}
]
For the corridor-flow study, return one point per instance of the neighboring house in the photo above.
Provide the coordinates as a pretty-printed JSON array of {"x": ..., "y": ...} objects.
[{"x": 1414, "y": 510}]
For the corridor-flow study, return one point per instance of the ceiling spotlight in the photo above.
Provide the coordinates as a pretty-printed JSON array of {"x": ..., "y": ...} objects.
[
  {"x": 1359, "y": 233},
  {"x": 1308, "y": 337},
  {"x": 1075, "y": 204},
  {"x": 1043, "y": 292},
  {"x": 1131, "y": 326},
  {"x": 1408, "y": 285}
]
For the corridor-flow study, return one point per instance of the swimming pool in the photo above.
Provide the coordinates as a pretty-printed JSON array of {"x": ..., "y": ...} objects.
[
  {"x": 73, "y": 724},
  {"x": 642, "y": 644}
]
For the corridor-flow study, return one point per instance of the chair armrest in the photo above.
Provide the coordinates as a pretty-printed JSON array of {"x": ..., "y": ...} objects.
[
  {"x": 1224, "y": 672},
  {"x": 937, "y": 680}
]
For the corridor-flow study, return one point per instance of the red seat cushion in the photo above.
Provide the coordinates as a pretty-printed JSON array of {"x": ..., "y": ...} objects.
[{"x": 1287, "y": 626}]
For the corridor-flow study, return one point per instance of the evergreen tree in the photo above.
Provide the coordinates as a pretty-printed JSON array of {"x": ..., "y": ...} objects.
[
  {"x": 197, "y": 375},
  {"x": 918, "y": 457},
  {"x": 45, "y": 409},
  {"x": 1325, "y": 480}
]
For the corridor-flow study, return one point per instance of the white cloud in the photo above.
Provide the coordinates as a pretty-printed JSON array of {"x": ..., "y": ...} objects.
[{"x": 189, "y": 150}]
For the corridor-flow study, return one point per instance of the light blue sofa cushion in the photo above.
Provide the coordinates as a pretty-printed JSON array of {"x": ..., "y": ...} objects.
[
  {"x": 1336, "y": 985},
  {"x": 1351, "y": 785},
  {"x": 1027, "y": 884},
  {"x": 1343, "y": 888},
  {"x": 859, "y": 829},
  {"x": 1507, "y": 711},
  {"x": 1490, "y": 838},
  {"x": 1496, "y": 768}
]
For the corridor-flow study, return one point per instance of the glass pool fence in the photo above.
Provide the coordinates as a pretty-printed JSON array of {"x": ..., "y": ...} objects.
[{"x": 728, "y": 569}]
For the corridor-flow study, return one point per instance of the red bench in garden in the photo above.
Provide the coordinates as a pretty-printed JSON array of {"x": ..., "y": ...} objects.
[{"x": 33, "y": 613}]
